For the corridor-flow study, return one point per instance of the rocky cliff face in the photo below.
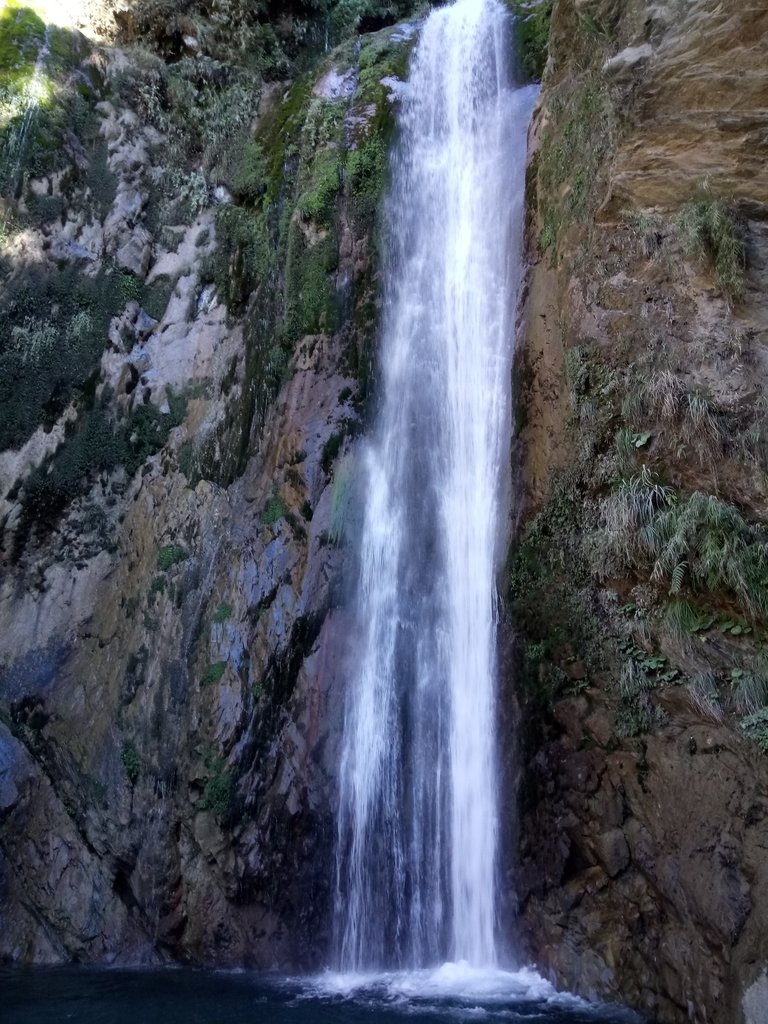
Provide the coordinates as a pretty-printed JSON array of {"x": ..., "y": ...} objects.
[
  {"x": 640, "y": 581},
  {"x": 189, "y": 303},
  {"x": 189, "y": 258}
]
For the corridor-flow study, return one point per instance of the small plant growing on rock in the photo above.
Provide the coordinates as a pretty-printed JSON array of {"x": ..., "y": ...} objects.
[
  {"x": 169, "y": 556},
  {"x": 710, "y": 231},
  {"x": 219, "y": 792},
  {"x": 272, "y": 511},
  {"x": 222, "y": 613},
  {"x": 214, "y": 673},
  {"x": 755, "y": 726},
  {"x": 131, "y": 763},
  {"x": 331, "y": 449}
]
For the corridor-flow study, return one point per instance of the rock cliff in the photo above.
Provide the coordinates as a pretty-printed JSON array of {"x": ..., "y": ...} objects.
[
  {"x": 190, "y": 269},
  {"x": 640, "y": 580},
  {"x": 189, "y": 260}
]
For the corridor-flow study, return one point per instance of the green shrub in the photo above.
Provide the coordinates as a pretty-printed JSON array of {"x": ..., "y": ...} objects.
[
  {"x": 710, "y": 231},
  {"x": 755, "y": 726},
  {"x": 352, "y": 15},
  {"x": 169, "y": 556},
  {"x": 272, "y": 511},
  {"x": 222, "y": 613},
  {"x": 219, "y": 795},
  {"x": 131, "y": 763},
  {"x": 214, "y": 673},
  {"x": 532, "y": 20},
  {"x": 219, "y": 792},
  {"x": 536, "y": 651},
  {"x": 158, "y": 585},
  {"x": 693, "y": 539}
]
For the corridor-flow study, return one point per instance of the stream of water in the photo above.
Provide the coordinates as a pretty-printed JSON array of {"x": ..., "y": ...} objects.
[{"x": 418, "y": 822}]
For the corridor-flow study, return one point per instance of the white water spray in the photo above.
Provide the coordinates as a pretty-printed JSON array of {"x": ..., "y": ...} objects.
[
  {"x": 22, "y": 111},
  {"x": 418, "y": 832}
]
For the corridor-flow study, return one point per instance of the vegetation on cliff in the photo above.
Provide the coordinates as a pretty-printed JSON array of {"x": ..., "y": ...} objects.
[
  {"x": 638, "y": 581},
  {"x": 636, "y": 508},
  {"x": 193, "y": 95},
  {"x": 189, "y": 232}
]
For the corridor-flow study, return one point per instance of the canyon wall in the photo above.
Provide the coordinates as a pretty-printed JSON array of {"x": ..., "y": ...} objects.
[
  {"x": 639, "y": 583},
  {"x": 190, "y": 293}
]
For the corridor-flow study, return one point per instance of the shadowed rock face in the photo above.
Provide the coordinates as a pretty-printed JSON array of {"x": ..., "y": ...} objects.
[
  {"x": 643, "y": 876},
  {"x": 172, "y": 630}
]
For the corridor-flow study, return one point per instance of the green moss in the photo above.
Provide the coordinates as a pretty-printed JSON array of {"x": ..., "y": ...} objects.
[
  {"x": 311, "y": 303},
  {"x": 319, "y": 200},
  {"x": 249, "y": 179},
  {"x": 367, "y": 173},
  {"x": 22, "y": 33},
  {"x": 213, "y": 673},
  {"x": 573, "y": 149},
  {"x": 244, "y": 256}
]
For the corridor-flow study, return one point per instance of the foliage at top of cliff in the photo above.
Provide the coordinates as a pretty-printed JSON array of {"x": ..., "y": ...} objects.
[
  {"x": 275, "y": 38},
  {"x": 532, "y": 21}
]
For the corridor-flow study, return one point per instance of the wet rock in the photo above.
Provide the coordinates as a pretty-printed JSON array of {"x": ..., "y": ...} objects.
[{"x": 612, "y": 851}]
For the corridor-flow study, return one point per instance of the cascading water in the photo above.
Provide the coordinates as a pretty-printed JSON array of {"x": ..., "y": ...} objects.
[
  {"x": 21, "y": 110},
  {"x": 417, "y": 827}
]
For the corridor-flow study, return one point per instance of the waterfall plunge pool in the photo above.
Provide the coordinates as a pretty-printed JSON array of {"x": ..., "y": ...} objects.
[{"x": 451, "y": 994}]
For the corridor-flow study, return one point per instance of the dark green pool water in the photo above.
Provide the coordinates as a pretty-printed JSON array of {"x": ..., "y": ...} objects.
[{"x": 180, "y": 996}]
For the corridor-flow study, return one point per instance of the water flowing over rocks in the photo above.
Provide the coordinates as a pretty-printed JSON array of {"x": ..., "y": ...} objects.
[
  {"x": 190, "y": 280},
  {"x": 418, "y": 795}
]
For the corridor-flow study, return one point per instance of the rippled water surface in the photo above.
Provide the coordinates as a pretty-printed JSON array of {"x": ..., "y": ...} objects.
[{"x": 180, "y": 996}]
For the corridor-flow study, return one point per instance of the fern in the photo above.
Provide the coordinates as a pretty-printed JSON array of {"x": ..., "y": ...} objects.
[
  {"x": 698, "y": 538},
  {"x": 678, "y": 575}
]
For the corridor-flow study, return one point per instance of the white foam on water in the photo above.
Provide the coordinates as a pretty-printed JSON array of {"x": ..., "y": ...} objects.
[{"x": 450, "y": 982}]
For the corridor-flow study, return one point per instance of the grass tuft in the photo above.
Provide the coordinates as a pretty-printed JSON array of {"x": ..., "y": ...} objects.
[{"x": 711, "y": 232}]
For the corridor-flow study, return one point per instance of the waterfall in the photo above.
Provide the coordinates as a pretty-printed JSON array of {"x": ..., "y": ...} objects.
[
  {"x": 23, "y": 108},
  {"x": 417, "y": 851}
]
